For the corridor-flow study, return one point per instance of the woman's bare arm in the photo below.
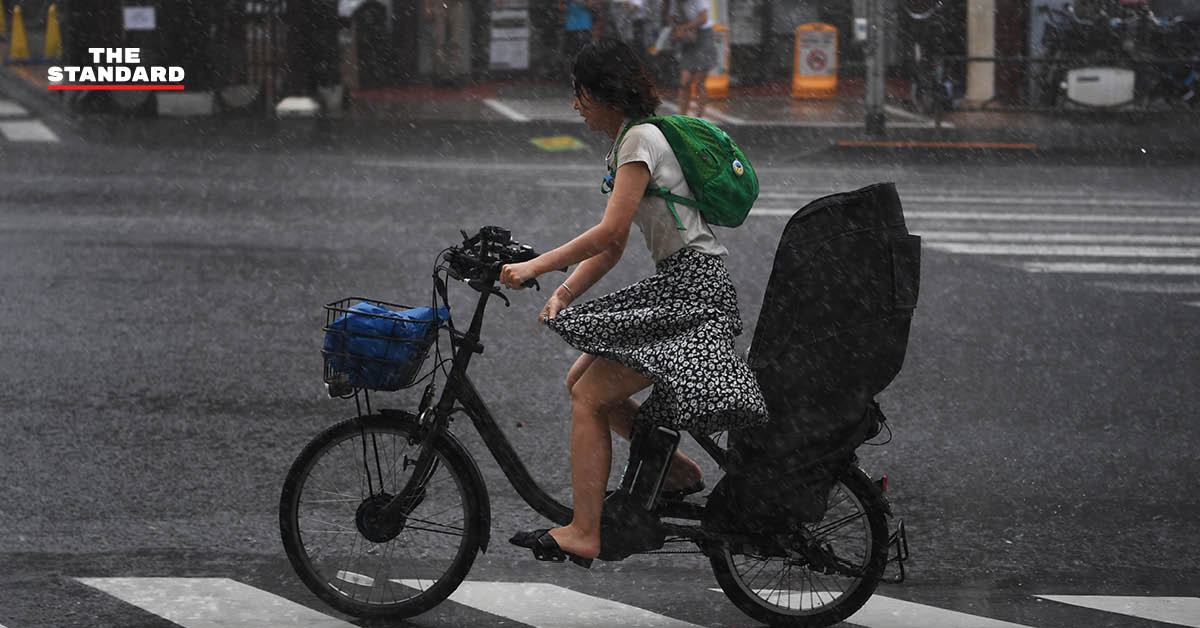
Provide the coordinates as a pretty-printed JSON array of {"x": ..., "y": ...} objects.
[{"x": 611, "y": 234}]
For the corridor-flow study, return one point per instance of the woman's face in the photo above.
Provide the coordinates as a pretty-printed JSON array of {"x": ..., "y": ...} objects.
[{"x": 597, "y": 116}]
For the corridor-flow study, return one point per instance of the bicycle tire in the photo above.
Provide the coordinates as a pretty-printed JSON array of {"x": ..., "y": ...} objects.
[
  {"x": 366, "y": 579},
  {"x": 853, "y": 491}
]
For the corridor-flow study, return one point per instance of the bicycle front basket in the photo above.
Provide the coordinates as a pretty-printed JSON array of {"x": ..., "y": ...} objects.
[{"x": 377, "y": 345}]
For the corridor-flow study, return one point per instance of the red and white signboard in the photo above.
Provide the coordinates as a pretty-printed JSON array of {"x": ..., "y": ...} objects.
[
  {"x": 814, "y": 73},
  {"x": 817, "y": 50}
]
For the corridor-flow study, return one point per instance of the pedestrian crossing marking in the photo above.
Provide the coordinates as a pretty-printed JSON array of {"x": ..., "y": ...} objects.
[
  {"x": 967, "y": 216},
  {"x": 1100, "y": 268},
  {"x": 10, "y": 108},
  {"x": 1039, "y": 201},
  {"x": 885, "y": 612},
  {"x": 212, "y": 603},
  {"x": 1021, "y": 236},
  {"x": 1062, "y": 250},
  {"x": 27, "y": 131},
  {"x": 1181, "y": 611},
  {"x": 542, "y": 605}
]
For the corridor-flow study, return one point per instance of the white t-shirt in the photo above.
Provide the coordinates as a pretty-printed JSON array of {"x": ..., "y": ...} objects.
[
  {"x": 691, "y": 9},
  {"x": 647, "y": 144}
]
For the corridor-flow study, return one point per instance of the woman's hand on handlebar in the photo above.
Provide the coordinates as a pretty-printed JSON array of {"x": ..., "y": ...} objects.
[{"x": 514, "y": 276}]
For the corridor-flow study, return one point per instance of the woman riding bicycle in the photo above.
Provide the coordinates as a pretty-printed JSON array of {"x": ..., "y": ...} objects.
[{"x": 673, "y": 330}]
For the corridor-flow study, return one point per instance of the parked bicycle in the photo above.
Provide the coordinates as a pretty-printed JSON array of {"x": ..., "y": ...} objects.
[{"x": 383, "y": 514}]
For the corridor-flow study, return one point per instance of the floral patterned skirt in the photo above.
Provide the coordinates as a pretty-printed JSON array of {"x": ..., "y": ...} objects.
[{"x": 676, "y": 328}]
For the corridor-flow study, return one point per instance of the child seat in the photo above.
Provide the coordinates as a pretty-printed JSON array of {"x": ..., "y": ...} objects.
[{"x": 832, "y": 334}]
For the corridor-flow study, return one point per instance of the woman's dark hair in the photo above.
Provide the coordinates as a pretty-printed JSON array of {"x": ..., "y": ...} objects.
[{"x": 609, "y": 72}]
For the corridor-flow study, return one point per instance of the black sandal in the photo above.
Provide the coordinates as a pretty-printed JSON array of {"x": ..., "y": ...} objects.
[
  {"x": 546, "y": 548},
  {"x": 679, "y": 493}
]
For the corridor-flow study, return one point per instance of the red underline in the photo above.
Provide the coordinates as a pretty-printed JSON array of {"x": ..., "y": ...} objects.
[{"x": 119, "y": 87}]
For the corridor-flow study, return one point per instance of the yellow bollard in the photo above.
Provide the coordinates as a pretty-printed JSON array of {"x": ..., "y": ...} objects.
[
  {"x": 18, "y": 52},
  {"x": 54, "y": 48}
]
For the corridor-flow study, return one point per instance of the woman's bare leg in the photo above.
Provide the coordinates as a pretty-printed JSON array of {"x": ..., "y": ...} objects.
[
  {"x": 682, "y": 473},
  {"x": 604, "y": 385}
]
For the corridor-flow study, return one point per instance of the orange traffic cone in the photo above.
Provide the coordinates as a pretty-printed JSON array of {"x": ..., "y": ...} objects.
[
  {"x": 54, "y": 49},
  {"x": 18, "y": 51}
]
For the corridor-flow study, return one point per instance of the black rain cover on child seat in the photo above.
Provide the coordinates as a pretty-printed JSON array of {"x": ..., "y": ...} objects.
[{"x": 832, "y": 334}]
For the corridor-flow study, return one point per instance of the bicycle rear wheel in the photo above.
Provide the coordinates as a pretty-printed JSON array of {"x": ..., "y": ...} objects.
[
  {"x": 823, "y": 575},
  {"x": 359, "y": 567}
]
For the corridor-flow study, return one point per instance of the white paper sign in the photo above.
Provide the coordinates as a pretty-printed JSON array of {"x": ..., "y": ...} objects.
[{"x": 139, "y": 19}]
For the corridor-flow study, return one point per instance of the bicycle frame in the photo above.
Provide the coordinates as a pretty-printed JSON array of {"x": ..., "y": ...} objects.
[{"x": 460, "y": 393}]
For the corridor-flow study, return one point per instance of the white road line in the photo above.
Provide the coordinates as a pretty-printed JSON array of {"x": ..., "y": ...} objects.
[
  {"x": 10, "y": 108},
  {"x": 1149, "y": 287},
  {"x": 1017, "y": 200},
  {"x": 212, "y": 603},
  {"x": 27, "y": 131},
  {"x": 1063, "y": 250},
  {"x": 548, "y": 606},
  {"x": 1193, "y": 303},
  {"x": 886, "y": 612},
  {"x": 1100, "y": 268},
  {"x": 1091, "y": 238},
  {"x": 1017, "y": 217},
  {"x": 505, "y": 110},
  {"x": 1182, "y": 611},
  {"x": 477, "y": 166}
]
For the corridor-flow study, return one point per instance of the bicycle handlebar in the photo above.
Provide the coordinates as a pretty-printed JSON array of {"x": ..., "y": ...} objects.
[{"x": 481, "y": 256}]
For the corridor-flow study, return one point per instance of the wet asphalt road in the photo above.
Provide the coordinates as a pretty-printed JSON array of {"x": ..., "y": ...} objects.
[{"x": 161, "y": 304}]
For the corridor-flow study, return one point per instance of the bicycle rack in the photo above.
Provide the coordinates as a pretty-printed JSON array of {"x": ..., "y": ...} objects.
[{"x": 899, "y": 541}]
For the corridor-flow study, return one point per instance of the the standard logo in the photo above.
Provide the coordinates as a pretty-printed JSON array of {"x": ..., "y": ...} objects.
[{"x": 115, "y": 68}]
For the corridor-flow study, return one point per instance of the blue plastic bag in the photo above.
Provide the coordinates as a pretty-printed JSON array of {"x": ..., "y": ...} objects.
[{"x": 375, "y": 347}]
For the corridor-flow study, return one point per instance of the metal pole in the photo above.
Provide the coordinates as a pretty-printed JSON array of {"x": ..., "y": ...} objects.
[{"x": 876, "y": 121}]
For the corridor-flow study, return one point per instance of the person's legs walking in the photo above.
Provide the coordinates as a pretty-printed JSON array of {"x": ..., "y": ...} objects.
[
  {"x": 685, "y": 91},
  {"x": 699, "y": 79}
]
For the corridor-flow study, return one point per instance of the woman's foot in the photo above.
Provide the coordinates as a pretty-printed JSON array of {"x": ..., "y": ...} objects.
[
  {"x": 546, "y": 546},
  {"x": 573, "y": 542}
]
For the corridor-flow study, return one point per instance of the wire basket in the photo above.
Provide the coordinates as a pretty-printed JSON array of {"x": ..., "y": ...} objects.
[{"x": 375, "y": 345}]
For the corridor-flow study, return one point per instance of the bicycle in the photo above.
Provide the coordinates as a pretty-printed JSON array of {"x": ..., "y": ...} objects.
[{"x": 383, "y": 514}]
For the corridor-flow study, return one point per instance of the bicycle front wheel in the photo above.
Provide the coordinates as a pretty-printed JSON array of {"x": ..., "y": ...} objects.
[
  {"x": 823, "y": 574},
  {"x": 347, "y": 558}
]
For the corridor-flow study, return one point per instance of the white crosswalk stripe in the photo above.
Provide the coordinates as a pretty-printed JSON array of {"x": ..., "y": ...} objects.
[
  {"x": 9, "y": 108},
  {"x": 1182, "y": 611},
  {"x": 16, "y": 126},
  {"x": 885, "y": 612},
  {"x": 212, "y": 603},
  {"x": 550, "y": 606}
]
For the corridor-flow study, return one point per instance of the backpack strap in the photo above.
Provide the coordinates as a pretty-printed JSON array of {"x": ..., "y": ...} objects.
[{"x": 663, "y": 193}]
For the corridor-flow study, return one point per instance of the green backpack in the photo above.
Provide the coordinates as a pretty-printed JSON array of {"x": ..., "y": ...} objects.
[{"x": 716, "y": 170}]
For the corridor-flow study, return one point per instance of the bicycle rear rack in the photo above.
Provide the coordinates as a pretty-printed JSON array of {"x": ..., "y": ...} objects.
[{"x": 899, "y": 542}]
